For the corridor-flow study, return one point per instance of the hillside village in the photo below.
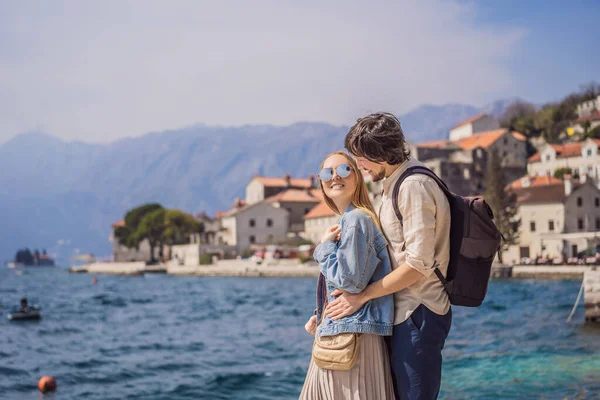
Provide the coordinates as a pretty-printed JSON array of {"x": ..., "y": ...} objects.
[{"x": 557, "y": 188}]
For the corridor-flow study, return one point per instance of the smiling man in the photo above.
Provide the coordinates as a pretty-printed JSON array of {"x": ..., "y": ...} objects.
[{"x": 418, "y": 243}]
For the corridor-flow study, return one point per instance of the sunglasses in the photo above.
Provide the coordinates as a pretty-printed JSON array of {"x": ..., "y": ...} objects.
[{"x": 342, "y": 170}]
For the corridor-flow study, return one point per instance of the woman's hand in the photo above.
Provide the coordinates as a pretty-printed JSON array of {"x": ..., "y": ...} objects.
[
  {"x": 346, "y": 304},
  {"x": 311, "y": 325},
  {"x": 332, "y": 233}
]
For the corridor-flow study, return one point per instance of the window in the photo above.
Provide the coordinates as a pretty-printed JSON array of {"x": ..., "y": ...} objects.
[
  {"x": 579, "y": 202},
  {"x": 252, "y": 223},
  {"x": 467, "y": 173},
  {"x": 252, "y": 239},
  {"x": 532, "y": 226},
  {"x": 580, "y": 224},
  {"x": 598, "y": 224},
  {"x": 597, "y": 201},
  {"x": 504, "y": 154},
  {"x": 306, "y": 210},
  {"x": 589, "y": 152},
  {"x": 269, "y": 222},
  {"x": 547, "y": 157},
  {"x": 551, "y": 226}
]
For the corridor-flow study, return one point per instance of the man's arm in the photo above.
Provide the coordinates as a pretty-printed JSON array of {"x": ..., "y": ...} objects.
[
  {"x": 348, "y": 303},
  {"x": 417, "y": 204}
]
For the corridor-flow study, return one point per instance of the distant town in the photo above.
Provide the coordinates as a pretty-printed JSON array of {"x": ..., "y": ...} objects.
[{"x": 546, "y": 198}]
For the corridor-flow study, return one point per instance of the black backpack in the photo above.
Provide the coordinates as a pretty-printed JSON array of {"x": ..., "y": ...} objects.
[{"x": 474, "y": 242}]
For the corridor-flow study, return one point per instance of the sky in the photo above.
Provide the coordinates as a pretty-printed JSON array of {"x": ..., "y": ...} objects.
[{"x": 97, "y": 71}]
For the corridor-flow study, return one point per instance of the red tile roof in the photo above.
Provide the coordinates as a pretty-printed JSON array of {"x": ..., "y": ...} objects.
[
  {"x": 321, "y": 210},
  {"x": 538, "y": 180},
  {"x": 470, "y": 120},
  {"x": 295, "y": 195},
  {"x": 220, "y": 214},
  {"x": 543, "y": 189},
  {"x": 282, "y": 182},
  {"x": 566, "y": 150},
  {"x": 482, "y": 139},
  {"x": 593, "y": 117}
]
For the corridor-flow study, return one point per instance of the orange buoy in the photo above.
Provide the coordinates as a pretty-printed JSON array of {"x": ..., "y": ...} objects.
[
  {"x": 47, "y": 384},
  {"x": 94, "y": 280}
]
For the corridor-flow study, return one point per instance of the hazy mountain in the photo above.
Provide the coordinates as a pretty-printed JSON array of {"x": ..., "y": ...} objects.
[{"x": 61, "y": 196}]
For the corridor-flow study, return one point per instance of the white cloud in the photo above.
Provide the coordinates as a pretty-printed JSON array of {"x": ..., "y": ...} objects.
[{"x": 97, "y": 71}]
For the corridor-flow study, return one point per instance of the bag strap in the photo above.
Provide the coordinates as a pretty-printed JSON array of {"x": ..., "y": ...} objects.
[
  {"x": 321, "y": 298},
  {"x": 411, "y": 171}
]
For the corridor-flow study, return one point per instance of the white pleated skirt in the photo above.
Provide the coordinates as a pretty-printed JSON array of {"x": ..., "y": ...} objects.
[{"x": 369, "y": 379}]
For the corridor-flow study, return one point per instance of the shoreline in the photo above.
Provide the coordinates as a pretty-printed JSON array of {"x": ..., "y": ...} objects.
[
  {"x": 290, "y": 268},
  {"x": 240, "y": 268}
]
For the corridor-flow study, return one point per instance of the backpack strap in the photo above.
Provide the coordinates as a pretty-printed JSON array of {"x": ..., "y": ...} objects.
[
  {"x": 416, "y": 170},
  {"x": 396, "y": 191}
]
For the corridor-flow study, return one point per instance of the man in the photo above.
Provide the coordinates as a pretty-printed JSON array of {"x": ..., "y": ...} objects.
[{"x": 418, "y": 244}]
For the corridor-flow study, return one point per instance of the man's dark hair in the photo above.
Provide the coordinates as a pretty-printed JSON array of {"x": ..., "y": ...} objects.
[{"x": 378, "y": 137}]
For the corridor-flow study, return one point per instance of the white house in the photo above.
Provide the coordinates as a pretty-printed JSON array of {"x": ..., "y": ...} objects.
[
  {"x": 581, "y": 157},
  {"x": 317, "y": 220},
  {"x": 479, "y": 123},
  {"x": 558, "y": 218},
  {"x": 258, "y": 223},
  {"x": 261, "y": 187}
]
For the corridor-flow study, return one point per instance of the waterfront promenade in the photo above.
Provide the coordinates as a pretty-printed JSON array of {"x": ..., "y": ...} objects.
[
  {"x": 275, "y": 268},
  {"x": 293, "y": 268}
]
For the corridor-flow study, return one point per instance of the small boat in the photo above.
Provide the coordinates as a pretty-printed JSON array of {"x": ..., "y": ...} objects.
[{"x": 20, "y": 315}]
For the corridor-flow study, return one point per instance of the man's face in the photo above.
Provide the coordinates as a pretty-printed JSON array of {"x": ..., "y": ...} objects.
[{"x": 375, "y": 169}]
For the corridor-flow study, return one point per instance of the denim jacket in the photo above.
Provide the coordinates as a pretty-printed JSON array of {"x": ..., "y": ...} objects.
[{"x": 359, "y": 258}]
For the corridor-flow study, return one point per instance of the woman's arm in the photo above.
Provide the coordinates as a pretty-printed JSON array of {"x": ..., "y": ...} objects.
[{"x": 346, "y": 266}]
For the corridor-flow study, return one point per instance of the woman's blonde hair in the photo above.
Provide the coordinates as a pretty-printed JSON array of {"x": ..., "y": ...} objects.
[{"x": 360, "y": 197}]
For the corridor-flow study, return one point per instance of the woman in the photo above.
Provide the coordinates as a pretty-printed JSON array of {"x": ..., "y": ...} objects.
[{"x": 351, "y": 255}]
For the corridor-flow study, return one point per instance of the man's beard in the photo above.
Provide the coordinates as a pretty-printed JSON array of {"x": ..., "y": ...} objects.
[{"x": 379, "y": 175}]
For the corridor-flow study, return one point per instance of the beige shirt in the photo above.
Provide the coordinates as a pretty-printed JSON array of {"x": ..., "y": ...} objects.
[{"x": 422, "y": 241}]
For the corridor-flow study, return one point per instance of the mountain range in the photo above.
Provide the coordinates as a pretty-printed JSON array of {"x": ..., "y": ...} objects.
[{"x": 63, "y": 196}]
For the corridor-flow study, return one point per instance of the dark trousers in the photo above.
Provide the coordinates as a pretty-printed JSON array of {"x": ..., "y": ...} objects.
[{"x": 416, "y": 354}]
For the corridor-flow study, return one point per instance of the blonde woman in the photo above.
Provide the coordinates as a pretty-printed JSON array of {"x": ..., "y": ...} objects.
[{"x": 351, "y": 255}]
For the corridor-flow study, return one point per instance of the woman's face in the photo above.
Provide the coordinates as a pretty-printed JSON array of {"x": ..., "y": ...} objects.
[{"x": 338, "y": 188}]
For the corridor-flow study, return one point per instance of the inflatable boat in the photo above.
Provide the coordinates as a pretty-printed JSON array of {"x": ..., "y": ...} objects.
[{"x": 20, "y": 315}]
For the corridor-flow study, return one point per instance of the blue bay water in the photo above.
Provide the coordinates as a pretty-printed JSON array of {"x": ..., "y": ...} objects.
[{"x": 165, "y": 337}]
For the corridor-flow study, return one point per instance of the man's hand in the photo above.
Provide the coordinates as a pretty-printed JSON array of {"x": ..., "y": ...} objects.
[
  {"x": 311, "y": 325},
  {"x": 332, "y": 234},
  {"x": 345, "y": 304}
]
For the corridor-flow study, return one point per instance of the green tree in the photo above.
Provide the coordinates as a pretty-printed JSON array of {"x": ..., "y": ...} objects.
[
  {"x": 502, "y": 202},
  {"x": 152, "y": 228},
  {"x": 561, "y": 172},
  {"x": 519, "y": 116},
  {"x": 179, "y": 226},
  {"x": 594, "y": 133},
  {"x": 125, "y": 234}
]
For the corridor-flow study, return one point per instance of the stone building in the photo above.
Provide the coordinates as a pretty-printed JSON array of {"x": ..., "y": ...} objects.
[
  {"x": 558, "y": 218},
  {"x": 273, "y": 212},
  {"x": 462, "y": 163}
]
